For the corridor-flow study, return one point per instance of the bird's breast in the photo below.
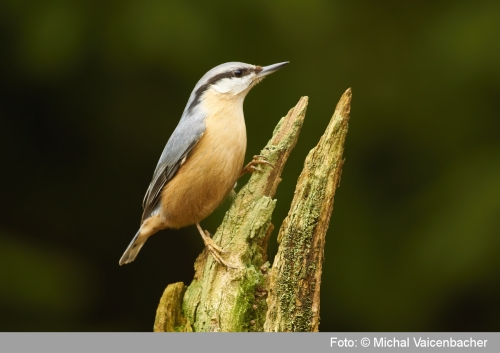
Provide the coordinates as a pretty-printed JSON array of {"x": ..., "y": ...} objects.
[
  {"x": 224, "y": 142},
  {"x": 210, "y": 171}
]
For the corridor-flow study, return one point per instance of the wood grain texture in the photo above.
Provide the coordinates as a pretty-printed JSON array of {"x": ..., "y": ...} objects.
[{"x": 294, "y": 284}]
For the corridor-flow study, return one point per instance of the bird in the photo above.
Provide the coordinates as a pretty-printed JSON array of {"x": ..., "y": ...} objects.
[{"x": 203, "y": 158}]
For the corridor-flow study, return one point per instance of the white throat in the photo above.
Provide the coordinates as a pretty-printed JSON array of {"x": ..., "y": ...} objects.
[{"x": 233, "y": 85}]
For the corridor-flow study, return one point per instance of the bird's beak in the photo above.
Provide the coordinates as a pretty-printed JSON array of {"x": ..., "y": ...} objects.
[{"x": 266, "y": 70}]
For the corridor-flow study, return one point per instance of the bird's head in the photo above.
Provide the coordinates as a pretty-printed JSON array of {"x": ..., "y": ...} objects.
[{"x": 231, "y": 80}]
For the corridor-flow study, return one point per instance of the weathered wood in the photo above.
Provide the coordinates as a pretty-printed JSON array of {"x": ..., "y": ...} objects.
[
  {"x": 169, "y": 317},
  {"x": 295, "y": 278},
  {"x": 221, "y": 299}
]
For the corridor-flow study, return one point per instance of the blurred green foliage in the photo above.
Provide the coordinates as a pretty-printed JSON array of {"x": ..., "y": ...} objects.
[{"x": 91, "y": 91}]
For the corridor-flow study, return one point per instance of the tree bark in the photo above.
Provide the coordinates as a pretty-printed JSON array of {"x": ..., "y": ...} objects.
[
  {"x": 221, "y": 299},
  {"x": 293, "y": 302}
]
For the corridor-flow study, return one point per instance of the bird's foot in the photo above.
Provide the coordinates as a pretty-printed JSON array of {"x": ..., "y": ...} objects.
[
  {"x": 214, "y": 249},
  {"x": 252, "y": 166}
]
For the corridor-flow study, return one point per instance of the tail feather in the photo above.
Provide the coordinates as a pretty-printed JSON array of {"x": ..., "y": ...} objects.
[{"x": 133, "y": 249}]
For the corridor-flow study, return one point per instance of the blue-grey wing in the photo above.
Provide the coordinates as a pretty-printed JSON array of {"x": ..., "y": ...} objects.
[{"x": 183, "y": 139}]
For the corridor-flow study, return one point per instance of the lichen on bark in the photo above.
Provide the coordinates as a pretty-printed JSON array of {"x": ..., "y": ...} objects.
[{"x": 293, "y": 302}]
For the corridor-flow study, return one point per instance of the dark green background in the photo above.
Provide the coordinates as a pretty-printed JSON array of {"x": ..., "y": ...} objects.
[{"x": 91, "y": 90}]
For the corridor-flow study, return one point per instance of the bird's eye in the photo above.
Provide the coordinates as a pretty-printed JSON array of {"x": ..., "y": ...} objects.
[{"x": 237, "y": 73}]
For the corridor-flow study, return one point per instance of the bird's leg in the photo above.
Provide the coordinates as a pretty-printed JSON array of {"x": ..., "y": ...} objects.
[
  {"x": 251, "y": 167},
  {"x": 214, "y": 249}
]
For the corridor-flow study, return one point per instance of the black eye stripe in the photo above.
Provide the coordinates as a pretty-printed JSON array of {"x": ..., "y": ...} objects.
[{"x": 215, "y": 79}]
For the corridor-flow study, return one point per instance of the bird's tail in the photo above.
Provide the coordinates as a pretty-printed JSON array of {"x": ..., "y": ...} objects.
[{"x": 133, "y": 249}]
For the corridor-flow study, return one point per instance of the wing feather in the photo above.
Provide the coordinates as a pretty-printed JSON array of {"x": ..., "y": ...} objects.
[{"x": 183, "y": 140}]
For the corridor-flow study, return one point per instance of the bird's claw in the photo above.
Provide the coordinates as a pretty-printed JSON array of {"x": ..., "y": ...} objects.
[
  {"x": 212, "y": 243},
  {"x": 252, "y": 166},
  {"x": 213, "y": 248}
]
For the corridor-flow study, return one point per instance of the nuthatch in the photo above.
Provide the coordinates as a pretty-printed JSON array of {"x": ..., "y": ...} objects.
[{"x": 204, "y": 156}]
